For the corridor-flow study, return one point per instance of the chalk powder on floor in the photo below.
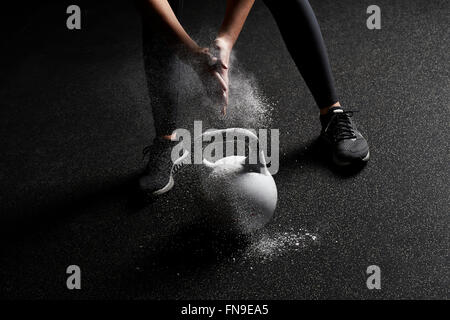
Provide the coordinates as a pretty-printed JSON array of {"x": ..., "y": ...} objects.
[{"x": 271, "y": 246}]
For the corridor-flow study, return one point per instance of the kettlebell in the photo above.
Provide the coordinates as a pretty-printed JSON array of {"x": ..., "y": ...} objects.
[{"x": 242, "y": 196}]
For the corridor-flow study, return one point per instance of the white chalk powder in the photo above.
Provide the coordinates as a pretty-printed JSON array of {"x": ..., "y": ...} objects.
[
  {"x": 248, "y": 107},
  {"x": 270, "y": 246}
]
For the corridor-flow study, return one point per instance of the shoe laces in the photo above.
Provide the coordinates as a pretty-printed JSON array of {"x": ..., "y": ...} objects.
[
  {"x": 341, "y": 126},
  {"x": 176, "y": 168}
]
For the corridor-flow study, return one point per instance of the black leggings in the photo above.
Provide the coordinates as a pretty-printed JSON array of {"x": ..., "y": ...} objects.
[
  {"x": 158, "y": 60},
  {"x": 300, "y": 31}
]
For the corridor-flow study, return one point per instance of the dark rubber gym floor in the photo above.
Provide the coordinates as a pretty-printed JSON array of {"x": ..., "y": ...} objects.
[{"x": 75, "y": 115}]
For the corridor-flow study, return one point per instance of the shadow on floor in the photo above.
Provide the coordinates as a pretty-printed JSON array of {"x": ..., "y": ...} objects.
[
  {"x": 168, "y": 261},
  {"x": 32, "y": 218},
  {"x": 152, "y": 245}
]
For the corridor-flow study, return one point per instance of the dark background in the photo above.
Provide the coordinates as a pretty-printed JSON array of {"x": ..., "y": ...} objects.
[{"x": 75, "y": 115}]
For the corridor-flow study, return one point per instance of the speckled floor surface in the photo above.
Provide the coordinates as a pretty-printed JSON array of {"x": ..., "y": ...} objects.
[{"x": 75, "y": 116}]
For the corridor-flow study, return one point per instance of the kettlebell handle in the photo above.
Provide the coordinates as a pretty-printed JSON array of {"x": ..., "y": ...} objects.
[{"x": 240, "y": 131}]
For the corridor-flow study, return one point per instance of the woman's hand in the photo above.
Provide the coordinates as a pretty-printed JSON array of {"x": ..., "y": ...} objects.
[
  {"x": 209, "y": 69},
  {"x": 236, "y": 13},
  {"x": 223, "y": 47}
]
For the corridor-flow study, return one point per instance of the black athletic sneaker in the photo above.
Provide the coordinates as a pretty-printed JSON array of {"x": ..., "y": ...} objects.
[
  {"x": 347, "y": 143},
  {"x": 158, "y": 176}
]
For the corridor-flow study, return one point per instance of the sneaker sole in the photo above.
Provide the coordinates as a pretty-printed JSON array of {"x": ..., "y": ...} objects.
[
  {"x": 347, "y": 163},
  {"x": 171, "y": 181}
]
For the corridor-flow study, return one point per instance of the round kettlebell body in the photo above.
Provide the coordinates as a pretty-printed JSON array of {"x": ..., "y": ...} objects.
[{"x": 238, "y": 195}]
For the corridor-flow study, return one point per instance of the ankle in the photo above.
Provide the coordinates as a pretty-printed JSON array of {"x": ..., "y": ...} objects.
[
  {"x": 169, "y": 137},
  {"x": 324, "y": 111}
]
